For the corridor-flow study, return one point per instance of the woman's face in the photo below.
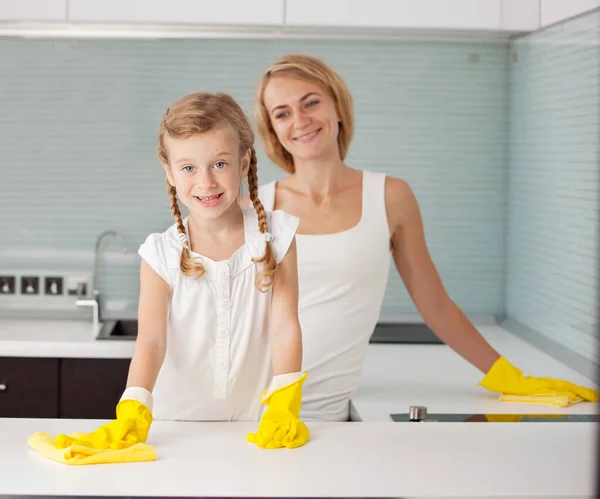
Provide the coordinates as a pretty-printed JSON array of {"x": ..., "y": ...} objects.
[{"x": 303, "y": 116}]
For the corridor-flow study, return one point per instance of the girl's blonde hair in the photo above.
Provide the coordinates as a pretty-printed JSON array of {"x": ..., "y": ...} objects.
[
  {"x": 198, "y": 113},
  {"x": 314, "y": 70}
]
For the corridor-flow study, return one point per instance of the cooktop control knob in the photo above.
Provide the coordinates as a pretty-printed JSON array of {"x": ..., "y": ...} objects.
[{"x": 417, "y": 413}]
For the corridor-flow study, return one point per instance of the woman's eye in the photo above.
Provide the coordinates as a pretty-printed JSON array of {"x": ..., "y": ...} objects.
[
  {"x": 280, "y": 115},
  {"x": 312, "y": 103}
]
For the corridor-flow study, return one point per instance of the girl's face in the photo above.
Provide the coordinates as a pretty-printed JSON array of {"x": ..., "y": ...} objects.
[
  {"x": 303, "y": 116},
  {"x": 207, "y": 170}
]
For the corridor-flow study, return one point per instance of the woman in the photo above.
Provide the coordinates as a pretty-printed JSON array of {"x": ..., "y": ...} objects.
[{"x": 351, "y": 221}]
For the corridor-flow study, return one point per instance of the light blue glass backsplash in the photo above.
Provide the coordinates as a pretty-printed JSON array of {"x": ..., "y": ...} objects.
[
  {"x": 554, "y": 170},
  {"x": 78, "y": 121}
]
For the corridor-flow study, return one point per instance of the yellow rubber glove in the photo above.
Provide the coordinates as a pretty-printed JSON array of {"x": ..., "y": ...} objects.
[
  {"x": 280, "y": 425},
  {"x": 505, "y": 378},
  {"x": 131, "y": 427}
]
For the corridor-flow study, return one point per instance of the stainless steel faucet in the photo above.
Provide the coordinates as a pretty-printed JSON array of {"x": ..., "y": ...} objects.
[{"x": 95, "y": 301}]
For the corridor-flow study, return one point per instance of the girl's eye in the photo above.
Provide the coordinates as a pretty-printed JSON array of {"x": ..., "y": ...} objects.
[
  {"x": 188, "y": 169},
  {"x": 220, "y": 165}
]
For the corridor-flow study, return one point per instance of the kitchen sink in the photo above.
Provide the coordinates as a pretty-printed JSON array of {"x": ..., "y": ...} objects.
[{"x": 121, "y": 329}]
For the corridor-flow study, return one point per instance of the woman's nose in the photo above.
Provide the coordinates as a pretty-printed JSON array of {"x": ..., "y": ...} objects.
[{"x": 301, "y": 120}]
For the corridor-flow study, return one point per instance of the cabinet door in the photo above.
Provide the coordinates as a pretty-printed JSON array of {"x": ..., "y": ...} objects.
[
  {"x": 28, "y": 387},
  {"x": 554, "y": 11},
  {"x": 33, "y": 10},
  {"x": 237, "y": 12},
  {"x": 91, "y": 388},
  {"x": 459, "y": 14}
]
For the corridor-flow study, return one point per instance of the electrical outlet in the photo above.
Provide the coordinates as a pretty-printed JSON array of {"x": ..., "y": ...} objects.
[
  {"x": 30, "y": 285},
  {"x": 77, "y": 285},
  {"x": 53, "y": 286},
  {"x": 8, "y": 285}
]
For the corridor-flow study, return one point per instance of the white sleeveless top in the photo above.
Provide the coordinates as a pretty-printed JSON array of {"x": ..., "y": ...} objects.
[
  {"x": 218, "y": 358},
  {"x": 342, "y": 282}
]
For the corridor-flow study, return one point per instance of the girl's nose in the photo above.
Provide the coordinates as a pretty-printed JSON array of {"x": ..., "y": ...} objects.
[{"x": 206, "y": 179}]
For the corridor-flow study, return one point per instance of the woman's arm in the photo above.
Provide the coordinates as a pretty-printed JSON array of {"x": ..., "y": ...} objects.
[
  {"x": 284, "y": 326},
  {"x": 423, "y": 282},
  {"x": 151, "y": 342}
]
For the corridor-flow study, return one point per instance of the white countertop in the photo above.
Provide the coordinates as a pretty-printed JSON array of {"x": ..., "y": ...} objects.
[
  {"x": 58, "y": 338},
  {"x": 341, "y": 459},
  {"x": 398, "y": 376},
  {"x": 372, "y": 458}
]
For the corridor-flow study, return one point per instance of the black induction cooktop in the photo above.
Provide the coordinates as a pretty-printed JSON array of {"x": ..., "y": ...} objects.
[{"x": 499, "y": 418}]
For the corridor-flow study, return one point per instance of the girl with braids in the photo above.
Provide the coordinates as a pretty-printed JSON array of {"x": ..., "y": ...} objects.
[{"x": 219, "y": 337}]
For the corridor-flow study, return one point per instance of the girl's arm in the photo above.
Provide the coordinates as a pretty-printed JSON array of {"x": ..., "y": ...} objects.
[
  {"x": 134, "y": 410},
  {"x": 151, "y": 342},
  {"x": 284, "y": 326}
]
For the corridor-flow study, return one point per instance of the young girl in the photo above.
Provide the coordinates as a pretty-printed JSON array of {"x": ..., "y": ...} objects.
[{"x": 218, "y": 301}]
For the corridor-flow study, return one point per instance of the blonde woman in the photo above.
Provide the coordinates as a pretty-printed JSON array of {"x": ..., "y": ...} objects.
[{"x": 351, "y": 222}]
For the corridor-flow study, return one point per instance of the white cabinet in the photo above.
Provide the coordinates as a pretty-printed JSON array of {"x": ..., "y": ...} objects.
[
  {"x": 221, "y": 12},
  {"x": 464, "y": 15},
  {"x": 520, "y": 15},
  {"x": 33, "y": 10},
  {"x": 432, "y": 14},
  {"x": 554, "y": 11}
]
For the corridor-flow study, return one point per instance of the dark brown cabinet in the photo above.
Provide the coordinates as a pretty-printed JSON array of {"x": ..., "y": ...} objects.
[
  {"x": 61, "y": 388},
  {"x": 29, "y": 387},
  {"x": 91, "y": 388}
]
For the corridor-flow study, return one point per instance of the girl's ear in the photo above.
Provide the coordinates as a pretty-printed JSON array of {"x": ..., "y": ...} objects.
[
  {"x": 169, "y": 173},
  {"x": 245, "y": 164}
]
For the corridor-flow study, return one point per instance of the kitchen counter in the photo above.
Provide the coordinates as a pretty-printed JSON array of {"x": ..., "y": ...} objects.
[
  {"x": 340, "y": 460},
  {"x": 369, "y": 459},
  {"x": 58, "y": 338},
  {"x": 398, "y": 376}
]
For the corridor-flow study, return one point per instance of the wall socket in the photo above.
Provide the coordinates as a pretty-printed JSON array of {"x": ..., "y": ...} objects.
[
  {"x": 30, "y": 285},
  {"x": 53, "y": 286},
  {"x": 77, "y": 285},
  {"x": 8, "y": 285},
  {"x": 56, "y": 284}
]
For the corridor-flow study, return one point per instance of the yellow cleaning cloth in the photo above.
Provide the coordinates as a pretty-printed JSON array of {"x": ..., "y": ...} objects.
[
  {"x": 513, "y": 386},
  {"x": 547, "y": 399},
  {"x": 45, "y": 444},
  {"x": 515, "y": 418}
]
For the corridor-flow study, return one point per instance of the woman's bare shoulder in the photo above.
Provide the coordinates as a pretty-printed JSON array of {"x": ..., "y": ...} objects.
[{"x": 400, "y": 200}]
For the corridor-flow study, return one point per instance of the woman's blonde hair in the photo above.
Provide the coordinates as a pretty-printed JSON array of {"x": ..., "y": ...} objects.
[
  {"x": 314, "y": 70},
  {"x": 198, "y": 113}
]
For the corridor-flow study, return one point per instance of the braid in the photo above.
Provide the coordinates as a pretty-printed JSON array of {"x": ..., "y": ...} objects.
[
  {"x": 267, "y": 276},
  {"x": 188, "y": 265},
  {"x": 253, "y": 187},
  {"x": 175, "y": 208}
]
